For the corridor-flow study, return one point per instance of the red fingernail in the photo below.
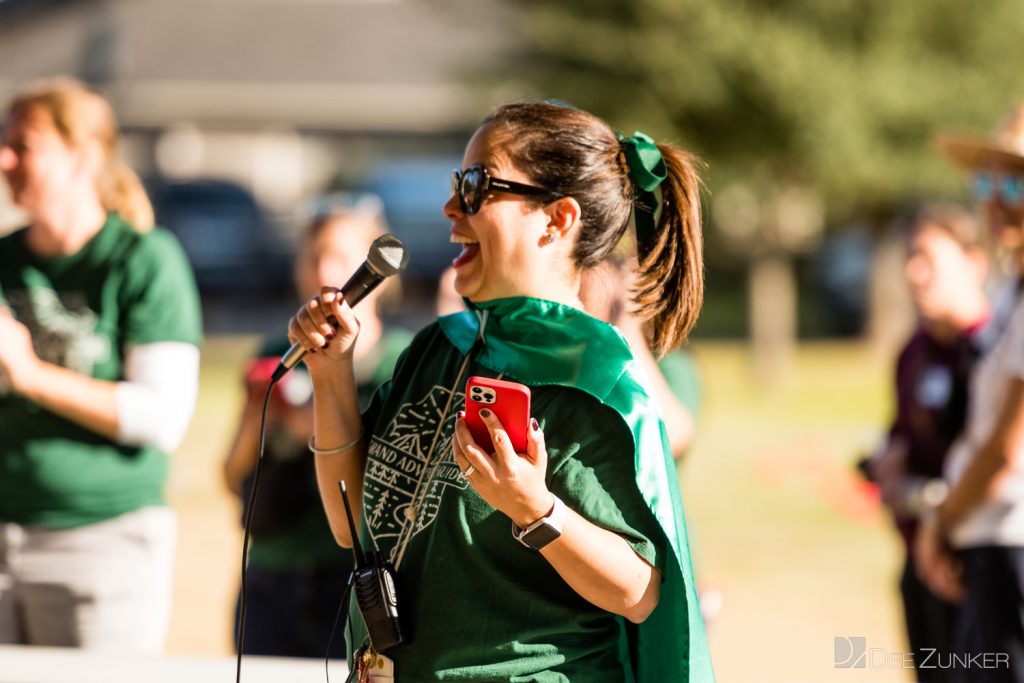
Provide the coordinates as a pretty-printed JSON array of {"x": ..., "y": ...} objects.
[
  {"x": 461, "y": 415},
  {"x": 485, "y": 413},
  {"x": 534, "y": 424}
]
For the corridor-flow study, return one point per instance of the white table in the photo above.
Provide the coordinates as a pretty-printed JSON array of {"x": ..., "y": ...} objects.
[{"x": 22, "y": 664}]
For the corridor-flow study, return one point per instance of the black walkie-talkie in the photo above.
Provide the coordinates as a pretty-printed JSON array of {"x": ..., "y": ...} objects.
[{"x": 374, "y": 579}]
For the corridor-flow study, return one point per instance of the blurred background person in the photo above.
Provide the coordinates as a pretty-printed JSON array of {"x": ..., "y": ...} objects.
[
  {"x": 982, "y": 517},
  {"x": 297, "y": 572},
  {"x": 946, "y": 269},
  {"x": 674, "y": 381},
  {"x": 99, "y": 368},
  {"x": 448, "y": 300}
]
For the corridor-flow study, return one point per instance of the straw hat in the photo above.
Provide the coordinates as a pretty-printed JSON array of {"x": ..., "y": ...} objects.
[{"x": 1005, "y": 148}]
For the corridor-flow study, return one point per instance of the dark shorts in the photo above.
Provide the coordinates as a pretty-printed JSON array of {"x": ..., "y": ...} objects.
[
  {"x": 990, "y": 627},
  {"x": 290, "y": 613},
  {"x": 930, "y": 625}
]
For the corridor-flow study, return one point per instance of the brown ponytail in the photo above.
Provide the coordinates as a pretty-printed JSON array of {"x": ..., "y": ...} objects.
[
  {"x": 670, "y": 286},
  {"x": 83, "y": 116},
  {"x": 121, "y": 192},
  {"x": 577, "y": 154}
]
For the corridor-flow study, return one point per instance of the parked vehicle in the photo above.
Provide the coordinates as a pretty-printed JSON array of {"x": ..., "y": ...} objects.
[{"x": 233, "y": 245}]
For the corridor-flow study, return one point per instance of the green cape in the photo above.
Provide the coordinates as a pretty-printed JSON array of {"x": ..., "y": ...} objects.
[{"x": 540, "y": 342}]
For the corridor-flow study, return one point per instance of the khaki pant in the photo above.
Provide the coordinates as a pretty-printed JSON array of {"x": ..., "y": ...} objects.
[{"x": 104, "y": 586}]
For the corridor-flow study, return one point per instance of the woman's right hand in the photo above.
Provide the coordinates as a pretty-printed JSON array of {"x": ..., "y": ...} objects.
[
  {"x": 936, "y": 565},
  {"x": 325, "y": 344}
]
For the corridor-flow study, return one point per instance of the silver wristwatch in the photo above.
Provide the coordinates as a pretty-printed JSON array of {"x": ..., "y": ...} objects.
[{"x": 544, "y": 530}]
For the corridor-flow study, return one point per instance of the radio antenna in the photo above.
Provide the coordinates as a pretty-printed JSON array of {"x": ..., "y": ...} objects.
[{"x": 357, "y": 549}]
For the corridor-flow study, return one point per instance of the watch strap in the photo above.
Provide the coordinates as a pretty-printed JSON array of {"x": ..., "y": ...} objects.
[{"x": 544, "y": 530}]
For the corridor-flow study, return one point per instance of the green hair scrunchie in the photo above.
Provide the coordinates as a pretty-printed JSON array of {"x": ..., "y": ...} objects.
[{"x": 648, "y": 171}]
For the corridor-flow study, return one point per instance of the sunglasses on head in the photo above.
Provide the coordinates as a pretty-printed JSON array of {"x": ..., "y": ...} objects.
[
  {"x": 473, "y": 184},
  {"x": 1008, "y": 186}
]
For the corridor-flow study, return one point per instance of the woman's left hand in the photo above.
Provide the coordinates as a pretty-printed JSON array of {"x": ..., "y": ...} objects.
[
  {"x": 510, "y": 482},
  {"x": 17, "y": 356}
]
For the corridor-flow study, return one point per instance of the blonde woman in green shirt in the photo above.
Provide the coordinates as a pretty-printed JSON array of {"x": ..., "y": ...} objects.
[{"x": 98, "y": 375}]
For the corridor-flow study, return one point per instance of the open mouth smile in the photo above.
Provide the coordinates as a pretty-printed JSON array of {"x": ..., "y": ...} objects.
[{"x": 470, "y": 248}]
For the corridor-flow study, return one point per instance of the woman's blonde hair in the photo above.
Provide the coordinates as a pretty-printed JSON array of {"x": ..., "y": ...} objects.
[{"x": 82, "y": 115}]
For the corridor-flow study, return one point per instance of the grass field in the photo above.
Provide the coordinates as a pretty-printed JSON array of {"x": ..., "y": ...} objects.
[{"x": 780, "y": 525}]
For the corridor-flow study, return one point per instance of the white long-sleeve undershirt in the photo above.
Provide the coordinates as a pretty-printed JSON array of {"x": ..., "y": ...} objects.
[{"x": 156, "y": 400}]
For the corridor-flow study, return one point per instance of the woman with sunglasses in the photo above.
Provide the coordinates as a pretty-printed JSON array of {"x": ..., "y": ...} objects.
[
  {"x": 568, "y": 561},
  {"x": 971, "y": 546}
]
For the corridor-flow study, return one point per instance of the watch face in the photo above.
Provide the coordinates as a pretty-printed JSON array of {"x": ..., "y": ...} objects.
[{"x": 541, "y": 536}]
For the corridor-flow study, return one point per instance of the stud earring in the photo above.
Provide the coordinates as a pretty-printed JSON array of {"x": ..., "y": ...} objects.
[{"x": 549, "y": 238}]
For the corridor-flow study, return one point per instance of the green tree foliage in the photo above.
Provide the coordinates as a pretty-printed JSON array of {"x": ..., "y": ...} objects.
[{"x": 840, "y": 96}]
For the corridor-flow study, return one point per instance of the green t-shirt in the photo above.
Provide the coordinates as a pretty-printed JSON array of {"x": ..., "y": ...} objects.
[
  {"x": 479, "y": 605},
  {"x": 306, "y": 542},
  {"x": 83, "y": 311}
]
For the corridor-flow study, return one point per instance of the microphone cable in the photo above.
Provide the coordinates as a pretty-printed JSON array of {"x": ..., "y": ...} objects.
[
  {"x": 337, "y": 617},
  {"x": 249, "y": 507},
  {"x": 247, "y": 535},
  {"x": 387, "y": 256}
]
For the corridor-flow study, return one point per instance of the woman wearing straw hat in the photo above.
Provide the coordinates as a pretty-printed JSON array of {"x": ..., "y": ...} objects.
[{"x": 982, "y": 517}]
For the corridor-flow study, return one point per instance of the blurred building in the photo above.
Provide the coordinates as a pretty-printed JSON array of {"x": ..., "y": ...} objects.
[{"x": 280, "y": 99}]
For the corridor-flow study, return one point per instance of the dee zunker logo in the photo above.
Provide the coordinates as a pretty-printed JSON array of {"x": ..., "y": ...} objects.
[{"x": 854, "y": 653}]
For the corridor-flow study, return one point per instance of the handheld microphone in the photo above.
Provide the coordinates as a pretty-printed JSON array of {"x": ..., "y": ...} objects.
[
  {"x": 388, "y": 256},
  {"x": 374, "y": 579}
]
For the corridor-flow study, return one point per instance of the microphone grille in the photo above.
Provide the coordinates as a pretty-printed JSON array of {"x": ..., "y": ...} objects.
[{"x": 388, "y": 255}]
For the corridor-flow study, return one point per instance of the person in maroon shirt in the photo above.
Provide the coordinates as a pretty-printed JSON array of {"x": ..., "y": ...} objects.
[{"x": 945, "y": 270}]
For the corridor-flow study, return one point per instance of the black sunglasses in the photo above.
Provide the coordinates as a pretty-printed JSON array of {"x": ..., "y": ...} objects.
[{"x": 473, "y": 184}]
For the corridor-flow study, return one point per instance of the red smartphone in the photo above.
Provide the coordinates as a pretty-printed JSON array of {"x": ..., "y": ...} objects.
[{"x": 509, "y": 401}]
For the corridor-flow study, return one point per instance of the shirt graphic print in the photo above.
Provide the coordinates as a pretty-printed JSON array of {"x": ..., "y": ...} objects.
[
  {"x": 405, "y": 480},
  {"x": 62, "y": 326}
]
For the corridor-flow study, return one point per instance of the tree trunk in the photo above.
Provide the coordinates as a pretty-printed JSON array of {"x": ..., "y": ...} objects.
[
  {"x": 772, "y": 303},
  {"x": 890, "y": 315}
]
